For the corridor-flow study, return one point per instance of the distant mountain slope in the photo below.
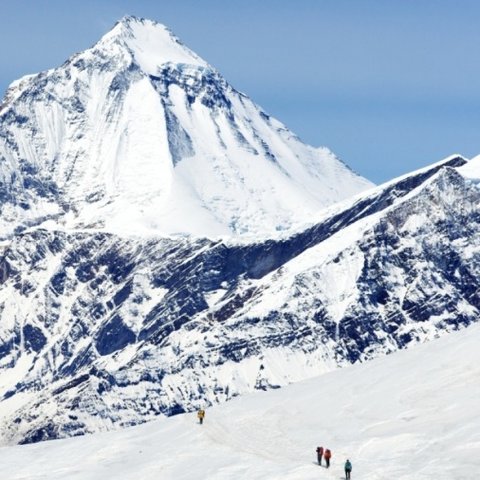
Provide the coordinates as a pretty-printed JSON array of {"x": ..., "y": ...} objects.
[
  {"x": 392, "y": 417},
  {"x": 100, "y": 331},
  {"x": 138, "y": 133}
]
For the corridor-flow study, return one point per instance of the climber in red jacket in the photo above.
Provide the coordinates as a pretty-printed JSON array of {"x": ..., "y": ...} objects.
[{"x": 327, "y": 456}]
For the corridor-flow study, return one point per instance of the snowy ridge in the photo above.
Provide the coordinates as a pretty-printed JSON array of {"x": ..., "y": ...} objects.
[
  {"x": 138, "y": 133},
  {"x": 101, "y": 331},
  {"x": 415, "y": 405}
]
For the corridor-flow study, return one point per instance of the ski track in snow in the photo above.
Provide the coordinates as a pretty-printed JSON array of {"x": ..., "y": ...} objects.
[{"x": 413, "y": 415}]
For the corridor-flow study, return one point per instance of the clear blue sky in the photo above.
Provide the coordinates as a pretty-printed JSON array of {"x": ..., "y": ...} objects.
[{"x": 388, "y": 85}]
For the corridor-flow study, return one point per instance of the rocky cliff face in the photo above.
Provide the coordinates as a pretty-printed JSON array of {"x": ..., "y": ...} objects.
[{"x": 101, "y": 331}]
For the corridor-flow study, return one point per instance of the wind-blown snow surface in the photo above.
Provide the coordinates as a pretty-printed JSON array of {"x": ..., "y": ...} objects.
[
  {"x": 138, "y": 133},
  {"x": 413, "y": 415}
]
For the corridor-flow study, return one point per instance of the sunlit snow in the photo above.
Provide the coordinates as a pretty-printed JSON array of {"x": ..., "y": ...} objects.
[{"x": 413, "y": 415}]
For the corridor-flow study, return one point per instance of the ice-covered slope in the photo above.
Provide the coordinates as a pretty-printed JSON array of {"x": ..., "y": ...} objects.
[
  {"x": 413, "y": 415},
  {"x": 100, "y": 332},
  {"x": 139, "y": 133}
]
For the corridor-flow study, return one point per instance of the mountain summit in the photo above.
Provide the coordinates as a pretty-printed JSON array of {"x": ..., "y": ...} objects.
[
  {"x": 139, "y": 133},
  {"x": 150, "y": 43}
]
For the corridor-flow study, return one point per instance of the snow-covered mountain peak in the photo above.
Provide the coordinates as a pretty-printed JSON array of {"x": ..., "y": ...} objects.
[
  {"x": 139, "y": 133},
  {"x": 150, "y": 43}
]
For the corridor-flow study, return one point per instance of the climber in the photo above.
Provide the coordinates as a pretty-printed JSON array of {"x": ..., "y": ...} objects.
[
  {"x": 201, "y": 415},
  {"x": 319, "y": 455},
  {"x": 327, "y": 456},
  {"x": 348, "y": 469}
]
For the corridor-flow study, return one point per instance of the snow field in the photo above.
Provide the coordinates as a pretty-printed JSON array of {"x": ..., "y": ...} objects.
[{"x": 412, "y": 415}]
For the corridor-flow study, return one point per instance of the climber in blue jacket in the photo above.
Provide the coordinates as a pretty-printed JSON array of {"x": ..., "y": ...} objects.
[{"x": 348, "y": 469}]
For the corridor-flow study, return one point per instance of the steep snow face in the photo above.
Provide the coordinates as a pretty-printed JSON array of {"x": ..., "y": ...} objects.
[
  {"x": 100, "y": 331},
  {"x": 411, "y": 415},
  {"x": 139, "y": 133}
]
